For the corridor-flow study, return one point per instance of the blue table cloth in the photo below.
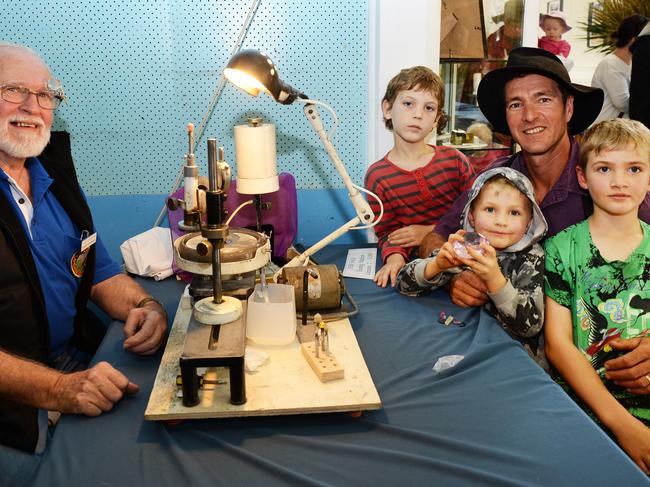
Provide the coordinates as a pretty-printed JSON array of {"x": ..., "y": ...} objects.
[{"x": 493, "y": 419}]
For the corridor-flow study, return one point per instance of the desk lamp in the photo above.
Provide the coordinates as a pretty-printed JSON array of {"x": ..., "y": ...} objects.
[{"x": 253, "y": 72}]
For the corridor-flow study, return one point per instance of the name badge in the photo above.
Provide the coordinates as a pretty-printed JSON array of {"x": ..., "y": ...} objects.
[
  {"x": 78, "y": 261},
  {"x": 88, "y": 241}
]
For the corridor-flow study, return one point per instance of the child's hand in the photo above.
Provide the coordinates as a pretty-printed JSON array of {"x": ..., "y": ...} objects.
[
  {"x": 389, "y": 270},
  {"x": 452, "y": 241},
  {"x": 446, "y": 257},
  {"x": 486, "y": 266},
  {"x": 634, "y": 438},
  {"x": 459, "y": 236},
  {"x": 410, "y": 236}
]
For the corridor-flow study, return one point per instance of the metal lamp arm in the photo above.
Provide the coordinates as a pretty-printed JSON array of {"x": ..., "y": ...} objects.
[
  {"x": 361, "y": 206},
  {"x": 303, "y": 259},
  {"x": 364, "y": 216}
]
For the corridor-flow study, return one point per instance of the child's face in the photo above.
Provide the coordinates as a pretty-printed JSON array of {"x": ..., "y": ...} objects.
[
  {"x": 553, "y": 28},
  {"x": 617, "y": 180},
  {"x": 414, "y": 114},
  {"x": 501, "y": 213}
]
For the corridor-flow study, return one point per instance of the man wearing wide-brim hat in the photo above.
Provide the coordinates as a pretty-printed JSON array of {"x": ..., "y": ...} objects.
[{"x": 533, "y": 99}]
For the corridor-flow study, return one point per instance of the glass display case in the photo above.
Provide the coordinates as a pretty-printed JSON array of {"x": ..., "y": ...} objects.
[{"x": 476, "y": 37}]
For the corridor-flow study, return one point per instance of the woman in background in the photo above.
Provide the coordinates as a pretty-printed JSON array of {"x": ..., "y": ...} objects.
[{"x": 613, "y": 73}]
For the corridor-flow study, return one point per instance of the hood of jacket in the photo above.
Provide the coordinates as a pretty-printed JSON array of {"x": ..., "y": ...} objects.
[{"x": 537, "y": 227}]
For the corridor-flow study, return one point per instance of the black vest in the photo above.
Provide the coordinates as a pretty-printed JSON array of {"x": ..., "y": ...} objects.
[{"x": 23, "y": 325}]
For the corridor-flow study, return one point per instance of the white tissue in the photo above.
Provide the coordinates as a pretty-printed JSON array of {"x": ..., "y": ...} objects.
[
  {"x": 149, "y": 253},
  {"x": 254, "y": 358},
  {"x": 159, "y": 276},
  {"x": 447, "y": 362}
]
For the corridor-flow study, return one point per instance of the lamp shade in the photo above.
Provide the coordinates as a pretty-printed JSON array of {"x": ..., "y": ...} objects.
[{"x": 253, "y": 71}]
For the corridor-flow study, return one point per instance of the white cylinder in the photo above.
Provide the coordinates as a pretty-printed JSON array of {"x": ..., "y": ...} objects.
[
  {"x": 189, "y": 193},
  {"x": 257, "y": 171}
]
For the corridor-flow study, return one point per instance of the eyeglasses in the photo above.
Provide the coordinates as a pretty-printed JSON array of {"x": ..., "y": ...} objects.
[{"x": 49, "y": 99}]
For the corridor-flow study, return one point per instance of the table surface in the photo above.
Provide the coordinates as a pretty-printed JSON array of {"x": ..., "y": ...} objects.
[{"x": 493, "y": 419}]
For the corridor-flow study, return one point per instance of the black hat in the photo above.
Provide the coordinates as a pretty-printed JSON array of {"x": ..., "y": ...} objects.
[{"x": 529, "y": 60}]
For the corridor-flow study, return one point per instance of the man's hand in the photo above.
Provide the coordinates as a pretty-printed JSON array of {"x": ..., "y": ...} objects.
[
  {"x": 145, "y": 329},
  {"x": 468, "y": 290},
  {"x": 410, "y": 236},
  {"x": 430, "y": 242},
  {"x": 389, "y": 270},
  {"x": 631, "y": 370},
  {"x": 92, "y": 391}
]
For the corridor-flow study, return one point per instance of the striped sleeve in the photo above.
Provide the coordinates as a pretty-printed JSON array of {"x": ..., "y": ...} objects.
[{"x": 377, "y": 179}]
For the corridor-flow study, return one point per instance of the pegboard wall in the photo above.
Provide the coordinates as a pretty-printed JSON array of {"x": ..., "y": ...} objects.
[{"x": 136, "y": 72}]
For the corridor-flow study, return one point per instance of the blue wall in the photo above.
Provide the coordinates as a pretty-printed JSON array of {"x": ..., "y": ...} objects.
[
  {"x": 137, "y": 72},
  {"x": 319, "y": 212}
]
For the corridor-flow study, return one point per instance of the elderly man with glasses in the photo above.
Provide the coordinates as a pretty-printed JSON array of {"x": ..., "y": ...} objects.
[{"x": 52, "y": 263}]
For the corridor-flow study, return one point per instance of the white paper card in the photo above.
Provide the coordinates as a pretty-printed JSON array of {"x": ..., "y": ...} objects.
[
  {"x": 88, "y": 241},
  {"x": 361, "y": 263}
]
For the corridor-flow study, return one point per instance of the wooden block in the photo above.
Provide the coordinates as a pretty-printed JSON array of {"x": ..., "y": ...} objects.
[{"x": 325, "y": 366}]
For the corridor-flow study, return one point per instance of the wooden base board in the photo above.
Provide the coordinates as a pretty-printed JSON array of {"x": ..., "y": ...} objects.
[{"x": 284, "y": 384}]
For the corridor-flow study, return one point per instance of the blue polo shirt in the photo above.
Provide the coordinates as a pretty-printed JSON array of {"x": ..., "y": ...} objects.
[{"x": 53, "y": 240}]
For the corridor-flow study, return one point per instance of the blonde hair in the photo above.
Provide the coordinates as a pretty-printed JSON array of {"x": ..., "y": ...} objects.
[
  {"x": 419, "y": 77},
  {"x": 618, "y": 133}
]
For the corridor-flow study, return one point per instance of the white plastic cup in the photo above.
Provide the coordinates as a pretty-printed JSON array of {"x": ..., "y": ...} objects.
[{"x": 271, "y": 319}]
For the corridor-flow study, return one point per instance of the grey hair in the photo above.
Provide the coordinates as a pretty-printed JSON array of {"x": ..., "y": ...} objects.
[
  {"x": 13, "y": 45},
  {"x": 20, "y": 47}
]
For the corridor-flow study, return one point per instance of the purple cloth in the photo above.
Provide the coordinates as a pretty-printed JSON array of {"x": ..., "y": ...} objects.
[
  {"x": 282, "y": 216},
  {"x": 564, "y": 205}
]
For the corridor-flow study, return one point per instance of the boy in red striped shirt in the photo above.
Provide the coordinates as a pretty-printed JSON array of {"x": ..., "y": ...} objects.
[{"x": 415, "y": 181}]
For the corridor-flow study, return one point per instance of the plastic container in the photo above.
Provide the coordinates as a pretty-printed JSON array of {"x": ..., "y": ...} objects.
[{"x": 271, "y": 315}]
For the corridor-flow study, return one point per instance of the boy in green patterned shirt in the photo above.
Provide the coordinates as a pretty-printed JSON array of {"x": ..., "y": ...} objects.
[{"x": 597, "y": 283}]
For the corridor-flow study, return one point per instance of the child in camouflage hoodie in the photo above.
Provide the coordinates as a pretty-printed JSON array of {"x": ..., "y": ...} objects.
[{"x": 502, "y": 208}]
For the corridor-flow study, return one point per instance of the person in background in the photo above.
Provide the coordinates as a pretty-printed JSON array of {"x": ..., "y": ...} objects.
[
  {"x": 499, "y": 43},
  {"x": 52, "y": 263},
  {"x": 501, "y": 207},
  {"x": 415, "y": 181},
  {"x": 613, "y": 72},
  {"x": 640, "y": 78},
  {"x": 509, "y": 35},
  {"x": 482, "y": 131},
  {"x": 597, "y": 285},
  {"x": 554, "y": 26}
]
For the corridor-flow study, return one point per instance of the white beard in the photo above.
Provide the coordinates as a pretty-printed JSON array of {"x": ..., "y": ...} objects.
[{"x": 23, "y": 147}]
